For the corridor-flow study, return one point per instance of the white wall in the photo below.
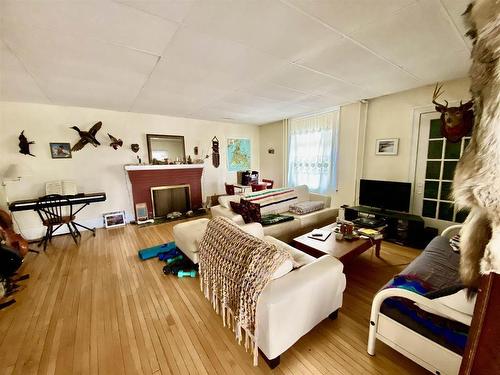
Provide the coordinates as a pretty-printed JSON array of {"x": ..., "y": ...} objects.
[
  {"x": 101, "y": 169},
  {"x": 272, "y": 165},
  {"x": 391, "y": 116}
]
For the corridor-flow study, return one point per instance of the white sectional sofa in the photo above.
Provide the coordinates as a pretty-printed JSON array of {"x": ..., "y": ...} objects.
[
  {"x": 288, "y": 230},
  {"x": 313, "y": 292}
]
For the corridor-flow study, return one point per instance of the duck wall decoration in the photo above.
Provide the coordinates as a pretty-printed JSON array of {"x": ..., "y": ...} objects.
[
  {"x": 115, "y": 143},
  {"x": 24, "y": 145},
  {"x": 87, "y": 136}
]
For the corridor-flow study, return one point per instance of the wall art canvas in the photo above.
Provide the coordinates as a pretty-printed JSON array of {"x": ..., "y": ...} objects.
[{"x": 238, "y": 154}]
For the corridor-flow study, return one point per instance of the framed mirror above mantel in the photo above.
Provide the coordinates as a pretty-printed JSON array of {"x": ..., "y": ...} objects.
[{"x": 166, "y": 149}]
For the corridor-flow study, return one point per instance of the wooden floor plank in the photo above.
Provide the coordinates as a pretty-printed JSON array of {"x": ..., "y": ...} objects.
[{"x": 97, "y": 309}]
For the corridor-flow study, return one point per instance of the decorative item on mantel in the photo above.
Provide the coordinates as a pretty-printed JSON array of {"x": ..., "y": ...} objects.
[
  {"x": 24, "y": 145},
  {"x": 115, "y": 143},
  {"x": 87, "y": 136}
]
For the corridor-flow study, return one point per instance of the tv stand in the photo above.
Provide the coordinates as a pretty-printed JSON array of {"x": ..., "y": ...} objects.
[{"x": 403, "y": 229}]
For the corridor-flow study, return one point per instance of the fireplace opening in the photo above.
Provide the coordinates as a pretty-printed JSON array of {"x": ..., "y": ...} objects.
[{"x": 167, "y": 199}]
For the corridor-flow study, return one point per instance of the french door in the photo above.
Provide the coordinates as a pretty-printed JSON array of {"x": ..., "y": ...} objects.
[{"x": 436, "y": 162}]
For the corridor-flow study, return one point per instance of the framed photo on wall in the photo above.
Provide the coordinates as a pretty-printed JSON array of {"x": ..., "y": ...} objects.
[
  {"x": 387, "y": 146},
  {"x": 59, "y": 150}
]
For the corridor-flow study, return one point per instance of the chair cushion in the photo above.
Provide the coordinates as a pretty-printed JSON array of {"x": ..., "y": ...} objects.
[{"x": 58, "y": 220}]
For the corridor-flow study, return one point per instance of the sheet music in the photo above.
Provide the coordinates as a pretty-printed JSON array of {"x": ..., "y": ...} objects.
[
  {"x": 69, "y": 187},
  {"x": 53, "y": 187},
  {"x": 64, "y": 187}
]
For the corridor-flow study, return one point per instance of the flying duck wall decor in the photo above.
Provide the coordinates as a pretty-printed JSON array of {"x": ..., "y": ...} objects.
[
  {"x": 115, "y": 143},
  {"x": 87, "y": 136},
  {"x": 24, "y": 145}
]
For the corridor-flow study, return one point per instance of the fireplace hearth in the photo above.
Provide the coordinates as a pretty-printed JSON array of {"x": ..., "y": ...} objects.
[{"x": 168, "y": 199}]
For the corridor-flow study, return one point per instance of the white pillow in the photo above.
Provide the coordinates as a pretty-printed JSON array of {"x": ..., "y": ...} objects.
[
  {"x": 224, "y": 200},
  {"x": 457, "y": 301},
  {"x": 255, "y": 229},
  {"x": 302, "y": 193}
]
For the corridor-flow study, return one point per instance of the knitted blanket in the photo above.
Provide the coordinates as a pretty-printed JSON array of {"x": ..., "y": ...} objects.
[{"x": 234, "y": 269}]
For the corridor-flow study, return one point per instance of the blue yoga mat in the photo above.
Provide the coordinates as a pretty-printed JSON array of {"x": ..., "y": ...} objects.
[{"x": 152, "y": 252}]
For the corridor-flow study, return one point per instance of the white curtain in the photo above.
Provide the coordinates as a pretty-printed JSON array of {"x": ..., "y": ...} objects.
[{"x": 312, "y": 151}]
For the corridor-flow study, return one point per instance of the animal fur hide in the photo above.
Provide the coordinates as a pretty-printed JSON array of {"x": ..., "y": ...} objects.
[{"x": 476, "y": 184}]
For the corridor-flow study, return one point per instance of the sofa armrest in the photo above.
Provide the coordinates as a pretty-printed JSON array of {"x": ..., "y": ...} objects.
[
  {"x": 326, "y": 199},
  {"x": 220, "y": 210},
  {"x": 312, "y": 292},
  {"x": 451, "y": 230}
]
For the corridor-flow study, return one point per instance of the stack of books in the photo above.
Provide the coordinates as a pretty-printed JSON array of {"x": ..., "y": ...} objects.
[{"x": 372, "y": 233}]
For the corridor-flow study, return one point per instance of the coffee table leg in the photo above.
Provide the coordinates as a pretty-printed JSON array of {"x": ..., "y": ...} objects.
[{"x": 377, "y": 248}]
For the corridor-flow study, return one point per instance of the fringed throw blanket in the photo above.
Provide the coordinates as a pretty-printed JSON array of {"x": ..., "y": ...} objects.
[{"x": 234, "y": 269}]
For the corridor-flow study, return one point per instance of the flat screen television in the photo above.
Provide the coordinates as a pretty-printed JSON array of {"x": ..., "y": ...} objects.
[{"x": 385, "y": 195}]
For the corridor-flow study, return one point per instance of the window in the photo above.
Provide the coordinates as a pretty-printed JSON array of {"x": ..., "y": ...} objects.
[{"x": 312, "y": 151}]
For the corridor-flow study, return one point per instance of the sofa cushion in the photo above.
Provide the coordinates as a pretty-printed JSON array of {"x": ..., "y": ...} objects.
[
  {"x": 225, "y": 200},
  {"x": 306, "y": 207},
  {"x": 299, "y": 257},
  {"x": 255, "y": 229}
]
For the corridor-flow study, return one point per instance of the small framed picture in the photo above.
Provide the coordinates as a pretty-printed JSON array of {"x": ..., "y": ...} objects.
[
  {"x": 387, "y": 146},
  {"x": 141, "y": 211},
  {"x": 114, "y": 219},
  {"x": 60, "y": 150}
]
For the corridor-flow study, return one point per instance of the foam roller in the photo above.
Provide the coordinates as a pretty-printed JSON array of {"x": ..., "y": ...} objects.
[{"x": 152, "y": 252}]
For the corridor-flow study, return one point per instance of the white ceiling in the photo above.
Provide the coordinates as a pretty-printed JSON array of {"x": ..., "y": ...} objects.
[{"x": 249, "y": 61}]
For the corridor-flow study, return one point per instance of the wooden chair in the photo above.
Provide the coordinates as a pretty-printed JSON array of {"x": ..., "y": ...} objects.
[
  {"x": 270, "y": 183},
  {"x": 231, "y": 189},
  {"x": 258, "y": 187},
  {"x": 52, "y": 210}
]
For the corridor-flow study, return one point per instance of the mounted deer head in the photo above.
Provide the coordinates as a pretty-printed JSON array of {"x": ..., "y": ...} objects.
[{"x": 456, "y": 122}]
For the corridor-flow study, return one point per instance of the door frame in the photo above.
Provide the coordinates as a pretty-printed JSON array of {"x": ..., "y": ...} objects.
[{"x": 415, "y": 135}]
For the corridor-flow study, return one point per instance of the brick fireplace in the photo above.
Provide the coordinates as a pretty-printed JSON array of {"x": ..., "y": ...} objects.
[{"x": 145, "y": 177}]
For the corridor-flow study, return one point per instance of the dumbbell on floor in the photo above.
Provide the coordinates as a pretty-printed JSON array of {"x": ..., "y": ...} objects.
[{"x": 191, "y": 273}]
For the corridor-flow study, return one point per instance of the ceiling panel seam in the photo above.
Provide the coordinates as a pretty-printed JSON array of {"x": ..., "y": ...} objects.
[
  {"x": 25, "y": 67},
  {"x": 383, "y": 58},
  {"x": 455, "y": 27}
]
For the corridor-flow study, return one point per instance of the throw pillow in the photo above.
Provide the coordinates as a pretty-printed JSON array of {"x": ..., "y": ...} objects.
[
  {"x": 250, "y": 211},
  {"x": 306, "y": 207},
  {"x": 236, "y": 207},
  {"x": 225, "y": 200}
]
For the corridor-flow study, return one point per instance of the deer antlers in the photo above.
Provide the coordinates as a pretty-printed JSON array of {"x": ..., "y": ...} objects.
[{"x": 437, "y": 93}]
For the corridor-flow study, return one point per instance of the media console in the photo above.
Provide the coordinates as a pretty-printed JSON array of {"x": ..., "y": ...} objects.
[{"x": 403, "y": 229}]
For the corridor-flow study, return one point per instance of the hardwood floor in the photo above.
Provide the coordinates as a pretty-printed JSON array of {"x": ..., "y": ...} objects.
[{"x": 97, "y": 309}]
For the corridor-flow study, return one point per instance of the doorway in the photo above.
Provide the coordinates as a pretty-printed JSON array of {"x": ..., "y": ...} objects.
[{"x": 436, "y": 161}]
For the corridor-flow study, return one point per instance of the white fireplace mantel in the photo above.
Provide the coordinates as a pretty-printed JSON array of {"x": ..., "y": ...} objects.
[{"x": 145, "y": 167}]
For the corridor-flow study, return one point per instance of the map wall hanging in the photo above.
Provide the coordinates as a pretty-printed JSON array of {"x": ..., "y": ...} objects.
[{"x": 238, "y": 154}]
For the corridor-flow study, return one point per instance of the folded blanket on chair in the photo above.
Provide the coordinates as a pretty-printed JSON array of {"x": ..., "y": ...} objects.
[{"x": 234, "y": 269}]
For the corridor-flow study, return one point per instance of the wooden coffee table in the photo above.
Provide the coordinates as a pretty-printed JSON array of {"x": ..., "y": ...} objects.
[{"x": 343, "y": 250}]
